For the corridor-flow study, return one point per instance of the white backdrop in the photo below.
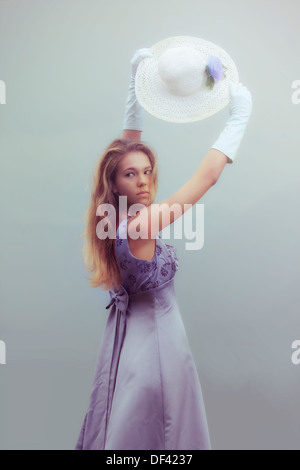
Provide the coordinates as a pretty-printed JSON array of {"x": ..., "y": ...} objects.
[{"x": 65, "y": 64}]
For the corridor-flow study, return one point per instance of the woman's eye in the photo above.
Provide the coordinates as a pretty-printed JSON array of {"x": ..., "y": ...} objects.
[{"x": 131, "y": 173}]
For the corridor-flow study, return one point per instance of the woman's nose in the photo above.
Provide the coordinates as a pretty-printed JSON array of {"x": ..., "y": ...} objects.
[{"x": 142, "y": 179}]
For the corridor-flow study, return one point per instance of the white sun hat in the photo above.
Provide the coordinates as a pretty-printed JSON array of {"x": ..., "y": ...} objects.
[{"x": 186, "y": 80}]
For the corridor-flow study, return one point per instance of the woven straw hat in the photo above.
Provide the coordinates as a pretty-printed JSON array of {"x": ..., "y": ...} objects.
[{"x": 186, "y": 80}]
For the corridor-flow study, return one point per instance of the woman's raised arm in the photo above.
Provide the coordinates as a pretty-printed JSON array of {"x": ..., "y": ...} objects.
[
  {"x": 154, "y": 218},
  {"x": 133, "y": 118},
  {"x": 131, "y": 134}
]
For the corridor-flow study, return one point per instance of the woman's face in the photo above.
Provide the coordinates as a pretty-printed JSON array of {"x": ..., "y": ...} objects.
[{"x": 134, "y": 175}]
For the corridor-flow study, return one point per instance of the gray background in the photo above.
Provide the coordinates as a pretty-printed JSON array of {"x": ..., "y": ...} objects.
[{"x": 66, "y": 68}]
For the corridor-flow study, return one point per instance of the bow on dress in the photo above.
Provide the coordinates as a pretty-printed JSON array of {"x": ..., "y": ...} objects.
[{"x": 120, "y": 298}]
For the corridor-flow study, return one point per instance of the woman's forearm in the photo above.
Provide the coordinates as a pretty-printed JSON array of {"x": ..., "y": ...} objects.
[{"x": 216, "y": 160}]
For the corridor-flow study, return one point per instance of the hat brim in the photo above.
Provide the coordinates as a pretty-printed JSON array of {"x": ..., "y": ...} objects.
[{"x": 154, "y": 97}]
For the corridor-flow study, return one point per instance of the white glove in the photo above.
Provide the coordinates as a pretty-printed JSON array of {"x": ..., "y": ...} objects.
[
  {"x": 240, "y": 111},
  {"x": 133, "y": 118}
]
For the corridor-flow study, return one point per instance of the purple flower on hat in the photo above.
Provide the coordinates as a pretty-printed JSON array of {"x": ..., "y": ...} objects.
[{"x": 214, "y": 71}]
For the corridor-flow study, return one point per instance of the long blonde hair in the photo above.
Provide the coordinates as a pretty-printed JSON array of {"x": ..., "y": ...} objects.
[{"x": 99, "y": 256}]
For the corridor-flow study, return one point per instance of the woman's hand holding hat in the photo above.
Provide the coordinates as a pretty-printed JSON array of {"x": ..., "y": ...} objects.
[
  {"x": 240, "y": 111},
  {"x": 133, "y": 118},
  {"x": 240, "y": 100},
  {"x": 140, "y": 55}
]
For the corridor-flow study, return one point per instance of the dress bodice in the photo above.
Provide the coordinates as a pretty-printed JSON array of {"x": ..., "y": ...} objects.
[{"x": 139, "y": 274}]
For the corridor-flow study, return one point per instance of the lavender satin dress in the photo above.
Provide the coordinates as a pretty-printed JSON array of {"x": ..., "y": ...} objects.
[{"x": 146, "y": 392}]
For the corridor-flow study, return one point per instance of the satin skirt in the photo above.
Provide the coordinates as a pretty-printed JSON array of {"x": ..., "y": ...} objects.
[{"x": 146, "y": 392}]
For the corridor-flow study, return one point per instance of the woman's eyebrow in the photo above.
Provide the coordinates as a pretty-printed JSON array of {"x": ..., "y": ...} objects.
[{"x": 132, "y": 168}]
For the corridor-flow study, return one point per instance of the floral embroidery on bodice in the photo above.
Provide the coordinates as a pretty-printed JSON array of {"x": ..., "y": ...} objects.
[{"x": 138, "y": 274}]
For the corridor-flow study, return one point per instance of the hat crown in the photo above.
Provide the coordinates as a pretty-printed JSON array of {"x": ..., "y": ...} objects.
[{"x": 182, "y": 70}]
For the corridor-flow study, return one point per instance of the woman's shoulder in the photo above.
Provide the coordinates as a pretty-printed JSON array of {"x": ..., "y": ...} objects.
[{"x": 137, "y": 248}]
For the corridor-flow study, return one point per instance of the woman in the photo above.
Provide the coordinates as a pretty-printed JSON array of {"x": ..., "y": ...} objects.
[{"x": 146, "y": 392}]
